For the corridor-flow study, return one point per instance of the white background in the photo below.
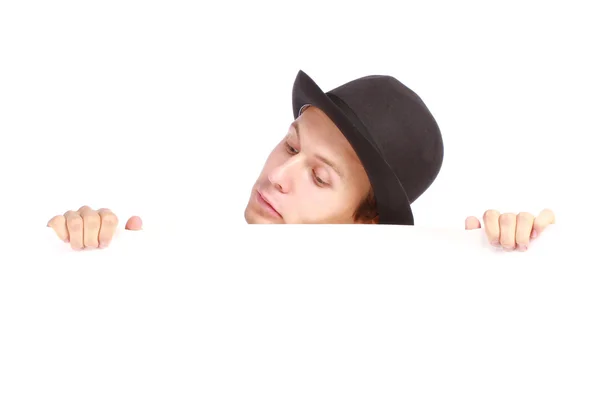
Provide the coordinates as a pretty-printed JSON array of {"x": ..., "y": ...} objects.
[{"x": 168, "y": 110}]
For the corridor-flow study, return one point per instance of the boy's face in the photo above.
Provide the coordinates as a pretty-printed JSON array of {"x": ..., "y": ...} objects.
[{"x": 313, "y": 176}]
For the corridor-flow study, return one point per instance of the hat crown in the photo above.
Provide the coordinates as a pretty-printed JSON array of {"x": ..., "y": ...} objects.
[{"x": 400, "y": 125}]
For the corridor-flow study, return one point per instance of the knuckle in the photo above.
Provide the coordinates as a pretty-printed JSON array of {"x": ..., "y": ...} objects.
[
  {"x": 76, "y": 246},
  {"x": 91, "y": 243},
  {"x": 91, "y": 220},
  {"x": 493, "y": 241},
  {"x": 507, "y": 243},
  {"x": 490, "y": 213},
  {"x": 507, "y": 218},
  {"x": 55, "y": 220},
  {"x": 110, "y": 219},
  {"x": 524, "y": 216},
  {"x": 523, "y": 234},
  {"x": 74, "y": 222}
]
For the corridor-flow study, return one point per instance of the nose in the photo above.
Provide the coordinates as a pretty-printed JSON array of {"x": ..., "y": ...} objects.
[{"x": 281, "y": 176}]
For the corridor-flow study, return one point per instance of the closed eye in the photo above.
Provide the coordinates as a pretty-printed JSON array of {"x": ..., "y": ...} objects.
[
  {"x": 317, "y": 179},
  {"x": 320, "y": 182},
  {"x": 291, "y": 149}
]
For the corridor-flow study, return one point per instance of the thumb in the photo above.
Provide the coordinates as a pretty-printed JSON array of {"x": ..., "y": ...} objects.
[
  {"x": 472, "y": 223},
  {"x": 134, "y": 223}
]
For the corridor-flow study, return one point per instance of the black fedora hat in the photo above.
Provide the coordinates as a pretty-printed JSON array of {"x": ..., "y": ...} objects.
[{"x": 391, "y": 130}]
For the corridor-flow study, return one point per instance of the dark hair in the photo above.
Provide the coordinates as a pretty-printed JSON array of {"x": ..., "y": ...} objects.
[{"x": 367, "y": 210}]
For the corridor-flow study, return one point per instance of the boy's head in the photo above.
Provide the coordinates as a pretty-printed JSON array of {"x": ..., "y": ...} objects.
[
  {"x": 313, "y": 176},
  {"x": 360, "y": 153}
]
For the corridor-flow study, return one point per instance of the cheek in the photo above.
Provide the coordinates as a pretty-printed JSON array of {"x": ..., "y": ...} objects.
[{"x": 326, "y": 206}]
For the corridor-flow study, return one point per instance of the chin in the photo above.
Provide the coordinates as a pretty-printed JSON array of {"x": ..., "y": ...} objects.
[
  {"x": 248, "y": 216},
  {"x": 259, "y": 220},
  {"x": 253, "y": 217}
]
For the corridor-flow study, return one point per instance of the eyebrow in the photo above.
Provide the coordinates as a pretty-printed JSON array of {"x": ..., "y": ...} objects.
[{"x": 324, "y": 160}]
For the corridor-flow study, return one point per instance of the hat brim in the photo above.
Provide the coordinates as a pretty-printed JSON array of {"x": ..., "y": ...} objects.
[{"x": 392, "y": 202}]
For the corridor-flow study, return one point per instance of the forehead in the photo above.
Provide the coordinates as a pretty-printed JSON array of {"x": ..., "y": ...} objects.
[{"x": 320, "y": 135}]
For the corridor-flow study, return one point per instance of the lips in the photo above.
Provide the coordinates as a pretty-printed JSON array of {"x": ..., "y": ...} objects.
[{"x": 267, "y": 203}]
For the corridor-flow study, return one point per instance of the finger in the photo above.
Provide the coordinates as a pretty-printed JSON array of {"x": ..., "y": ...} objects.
[
  {"x": 108, "y": 226},
  {"x": 472, "y": 223},
  {"x": 134, "y": 223},
  {"x": 75, "y": 228},
  {"x": 91, "y": 228},
  {"x": 59, "y": 225},
  {"x": 508, "y": 227},
  {"x": 542, "y": 221},
  {"x": 83, "y": 209},
  {"x": 492, "y": 227},
  {"x": 523, "y": 232}
]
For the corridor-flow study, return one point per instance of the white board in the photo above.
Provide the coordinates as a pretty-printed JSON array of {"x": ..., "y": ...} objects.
[{"x": 300, "y": 313}]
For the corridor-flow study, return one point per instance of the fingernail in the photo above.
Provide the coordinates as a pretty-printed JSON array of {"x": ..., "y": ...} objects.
[
  {"x": 522, "y": 248},
  {"x": 533, "y": 233},
  {"x": 495, "y": 243}
]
